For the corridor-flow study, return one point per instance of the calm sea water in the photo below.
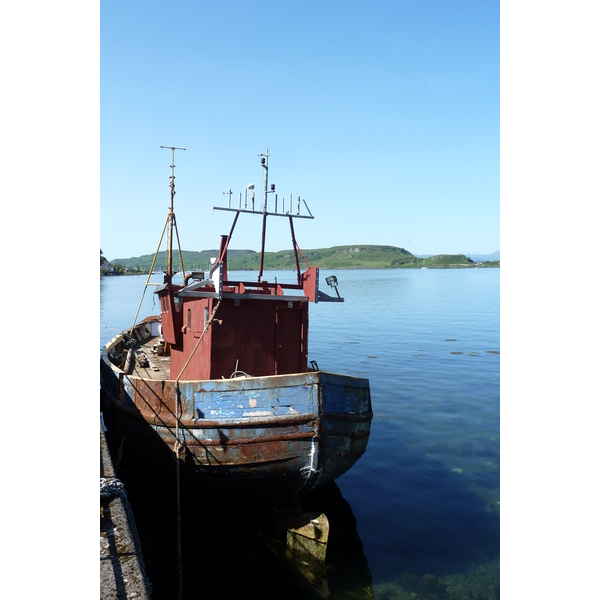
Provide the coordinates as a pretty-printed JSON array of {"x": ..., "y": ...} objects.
[{"x": 425, "y": 497}]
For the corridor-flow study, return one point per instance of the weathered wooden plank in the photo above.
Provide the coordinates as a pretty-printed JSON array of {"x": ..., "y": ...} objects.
[
  {"x": 344, "y": 399},
  {"x": 269, "y": 430},
  {"x": 257, "y": 403}
]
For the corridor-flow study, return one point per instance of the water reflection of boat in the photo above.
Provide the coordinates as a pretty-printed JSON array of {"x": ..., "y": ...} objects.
[
  {"x": 346, "y": 569},
  {"x": 231, "y": 552},
  {"x": 221, "y": 378}
]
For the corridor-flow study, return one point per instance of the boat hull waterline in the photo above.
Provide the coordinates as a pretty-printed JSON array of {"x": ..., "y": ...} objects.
[{"x": 280, "y": 434}]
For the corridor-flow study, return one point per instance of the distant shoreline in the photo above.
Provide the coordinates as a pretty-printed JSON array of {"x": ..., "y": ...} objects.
[
  {"x": 491, "y": 265},
  {"x": 335, "y": 258}
]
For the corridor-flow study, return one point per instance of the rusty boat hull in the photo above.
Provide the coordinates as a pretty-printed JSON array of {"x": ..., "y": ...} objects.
[
  {"x": 278, "y": 435},
  {"x": 220, "y": 382}
]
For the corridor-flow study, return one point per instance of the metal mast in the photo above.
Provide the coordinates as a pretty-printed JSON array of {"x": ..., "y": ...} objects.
[
  {"x": 264, "y": 161},
  {"x": 265, "y": 164},
  {"x": 171, "y": 217},
  {"x": 170, "y": 222}
]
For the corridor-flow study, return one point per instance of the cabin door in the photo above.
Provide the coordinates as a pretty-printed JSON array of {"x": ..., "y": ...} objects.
[{"x": 289, "y": 341}]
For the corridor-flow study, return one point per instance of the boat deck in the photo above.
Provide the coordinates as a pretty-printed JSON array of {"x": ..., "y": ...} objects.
[{"x": 159, "y": 367}]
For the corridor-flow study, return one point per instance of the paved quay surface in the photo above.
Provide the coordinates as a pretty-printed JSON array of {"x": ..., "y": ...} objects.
[{"x": 122, "y": 574}]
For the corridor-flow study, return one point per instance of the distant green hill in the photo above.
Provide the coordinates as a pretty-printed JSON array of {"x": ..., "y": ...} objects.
[
  {"x": 338, "y": 257},
  {"x": 192, "y": 260}
]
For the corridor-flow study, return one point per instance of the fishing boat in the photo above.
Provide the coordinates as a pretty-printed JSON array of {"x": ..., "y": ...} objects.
[{"x": 221, "y": 379}]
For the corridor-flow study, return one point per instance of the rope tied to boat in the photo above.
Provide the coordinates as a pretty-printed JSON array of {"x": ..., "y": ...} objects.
[
  {"x": 178, "y": 447},
  {"x": 208, "y": 324},
  {"x": 311, "y": 471}
]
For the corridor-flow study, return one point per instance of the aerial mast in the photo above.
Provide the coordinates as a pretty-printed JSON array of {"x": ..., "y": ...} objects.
[
  {"x": 264, "y": 161},
  {"x": 169, "y": 224},
  {"x": 264, "y": 211},
  {"x": 171, "y": 217}
]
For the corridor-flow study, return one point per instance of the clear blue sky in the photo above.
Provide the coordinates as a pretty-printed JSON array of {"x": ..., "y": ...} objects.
[{"x": 384, "y": 116}]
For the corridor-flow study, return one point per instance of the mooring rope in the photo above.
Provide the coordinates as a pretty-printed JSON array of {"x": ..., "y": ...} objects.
[
  {"x": 179, "y": 447},
  {"x": 208, "y": 323}
]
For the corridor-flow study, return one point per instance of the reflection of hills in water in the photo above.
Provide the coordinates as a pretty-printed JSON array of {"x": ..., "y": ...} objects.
[{"x": 234, "y": 547}]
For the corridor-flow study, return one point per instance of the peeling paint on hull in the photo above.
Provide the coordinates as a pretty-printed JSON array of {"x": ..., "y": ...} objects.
[{"x": 283, "y": 434}]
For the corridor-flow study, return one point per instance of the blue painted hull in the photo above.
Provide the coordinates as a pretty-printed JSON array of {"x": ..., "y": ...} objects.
[{"x": 281, "y": 435}]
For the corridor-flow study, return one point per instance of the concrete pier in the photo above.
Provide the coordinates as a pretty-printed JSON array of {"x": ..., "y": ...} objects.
[{"x": 122, "y": 574}]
